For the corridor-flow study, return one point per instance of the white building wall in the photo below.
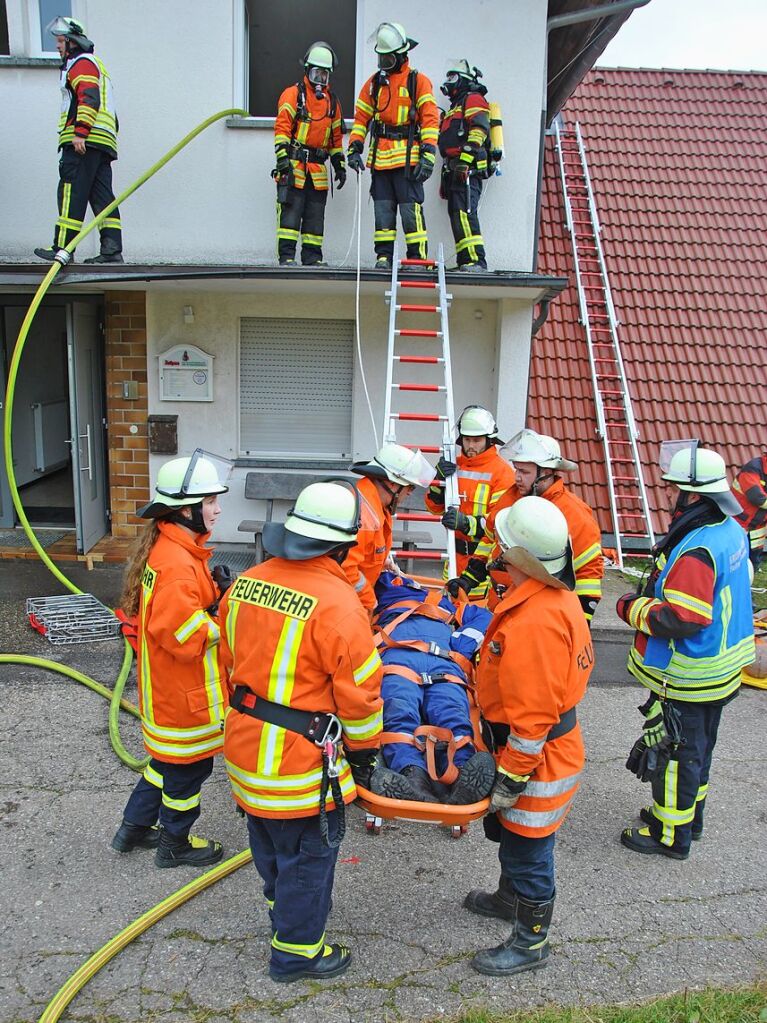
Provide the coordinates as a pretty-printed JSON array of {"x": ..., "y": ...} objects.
[{"x": 177, "y": 62}]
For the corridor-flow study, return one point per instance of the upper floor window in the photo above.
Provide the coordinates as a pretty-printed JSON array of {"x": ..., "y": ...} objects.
[
  {"x": 24, "y": 34},
  {"x": 47, "y": 10},
  {"x": 278, "y": 36},
  {"x": 4, "y": 44}
]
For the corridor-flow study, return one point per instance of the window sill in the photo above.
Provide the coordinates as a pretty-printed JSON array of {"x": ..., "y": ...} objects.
[
  {"x": 6, "y": 61},
  {"x": 250, "y": 122},
  {"x": 326, "y": 464}
]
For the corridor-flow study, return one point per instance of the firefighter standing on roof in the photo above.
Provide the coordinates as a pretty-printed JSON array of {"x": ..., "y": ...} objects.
[
  {"x": 538, "y": 461},
  {"x": 483, "y": 478},
  {"x": 534, "y": 666},
  {"x": 305, "y": 718},
  {"x": 87, "y": 143},
  {"x": 307, "y": 132},
  {"x": 397, "y": 106},
  {"x": 464, "y": 140}
]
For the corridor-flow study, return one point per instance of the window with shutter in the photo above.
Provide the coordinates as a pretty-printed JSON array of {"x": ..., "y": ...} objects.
[{"x": 296, "y": 378}]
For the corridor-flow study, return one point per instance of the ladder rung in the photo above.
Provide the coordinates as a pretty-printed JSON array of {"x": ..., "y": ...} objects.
[
  {"x": 408, "y": 307},
  {"x": 635, "y": 536},
  {"x": 604, "y": 390},
  {"x": 433, "y": 555},
  {"x": 431, "y": 359},
  {"x": 430, "y": 449},
  {"x": 417, "y": 284},
  {"x": 421, "y": 417},
  {"x": 627, "y": 497},
  {"x": 627, "y": 479},
  {"x": 417, "y": 262},
  {"x": 418, "y": 387},
  {"x": 630, "y": 515},
  {"x": 412, "y": 332},
  {"x": 417, "y": 517},
  {"x": 613, "y": 408}
]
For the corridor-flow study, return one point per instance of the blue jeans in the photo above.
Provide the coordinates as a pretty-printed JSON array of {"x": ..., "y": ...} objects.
[{"x": 529, "y": 864}]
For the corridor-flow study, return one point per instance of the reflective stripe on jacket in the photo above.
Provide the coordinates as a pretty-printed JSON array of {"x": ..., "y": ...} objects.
[
  {"x": 534, "y": 666},
  {"x": 181, "y": 695},
  {"x": 295, "y": 633},
  {"x": 750, "y": 488},
  {"x": 316, "y": 130},
  {"x": 87, "y": 104},
  {"x": 364, "y": 562},
  {"x": 705, "y": 666}
]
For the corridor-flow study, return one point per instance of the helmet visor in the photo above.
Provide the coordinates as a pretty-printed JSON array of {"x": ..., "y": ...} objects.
[
  {"x": 350, "y": 528},
  {"x": 206, "y": 474},
  {"x": 61, "y": 26},
  {"x": 669, "y": 448}
]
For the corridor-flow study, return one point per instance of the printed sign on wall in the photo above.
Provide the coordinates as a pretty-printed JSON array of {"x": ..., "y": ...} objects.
[{"x": 186, "y": 374}]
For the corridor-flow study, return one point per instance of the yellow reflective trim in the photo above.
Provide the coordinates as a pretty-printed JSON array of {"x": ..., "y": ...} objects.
[
  {"x": 586, "y": 556},
  {"x": 363, "y": 728},
  {"x": 182, "y": 805},
  {"x": 680, "y": 599},
  {"x": 305, "y": 951},
  {"x": 367, "y": 668},
  {"x": 280, "y": 690},
  {"x": 190, "y": 626},
  {"x": 152, "y": 776},
  {"x": 272, "y": 596}
]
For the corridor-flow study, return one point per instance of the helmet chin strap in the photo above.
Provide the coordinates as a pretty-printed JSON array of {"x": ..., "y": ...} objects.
[
  {"x": 194, "y": 522},
  {"x": 541, "y": 476}
]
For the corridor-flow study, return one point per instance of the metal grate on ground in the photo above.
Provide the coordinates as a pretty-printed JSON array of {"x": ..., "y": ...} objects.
[
  {"x": 18, "y": 538},
  {"x": 238, "y": 558},
  {"x": 76, "y": 618}
]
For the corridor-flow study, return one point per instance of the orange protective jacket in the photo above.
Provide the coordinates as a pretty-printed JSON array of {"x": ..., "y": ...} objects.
[
  {"x": 364, "y": 563},
  {"x": 182, "y": 698},
  {"x": 482, "y": 481},
  {"x": 294, "y": 632},
  {"x": 534, "y": 665},
  {"x": 317, "y": 130},
  {"x": 585, "y": 536},
  {"x": 391, "y": 106}
]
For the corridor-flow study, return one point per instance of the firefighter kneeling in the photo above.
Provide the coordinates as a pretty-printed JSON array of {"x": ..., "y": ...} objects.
[
  {"x": 305, "y": 720},
  {"x": 534, "y": 665}
]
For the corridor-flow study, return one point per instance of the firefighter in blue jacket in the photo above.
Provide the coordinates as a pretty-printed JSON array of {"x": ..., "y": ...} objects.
[{"x": 694, "y": 633}]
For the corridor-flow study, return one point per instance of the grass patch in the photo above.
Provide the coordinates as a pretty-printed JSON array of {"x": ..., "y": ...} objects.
[
  {"x": 760, "y": 583},
  {"x": 713, "y": 1005}
]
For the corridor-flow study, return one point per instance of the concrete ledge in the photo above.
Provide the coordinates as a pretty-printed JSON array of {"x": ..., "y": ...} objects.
[{"x": 29, "y": 62}]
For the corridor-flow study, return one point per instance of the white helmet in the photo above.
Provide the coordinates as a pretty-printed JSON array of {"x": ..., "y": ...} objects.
[
  {"x": 533, "y": 536},
  {"x": 321, "y": 54},
  {"x": 186, "y": 481},
  {"x": 701, "y": 471},
  {"x": 391, "y": 37},
  {"x": 325, "y": 515},
  {"x": 398, "y": 464},
  {"x": 71, "y": 29},
  {"x": 538, "y": 449},
  {"x": 476, "y": 421}
]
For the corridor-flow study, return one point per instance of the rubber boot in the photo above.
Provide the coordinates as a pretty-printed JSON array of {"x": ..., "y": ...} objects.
[
  {"x": 475, "y": 780},
  {"x": 526, "y": 948},
  {"x": 392, "y": 785},
  {"x": 189, "y": 851},
  {"x": 135, "y": 836},
  {"x": 334, "y": 960},
  {"x": 105, "y": 257},
  {"x": 501, "y": 904},
  {"x": 47, "y": 254},
  {"x": 425, "y": 789}
]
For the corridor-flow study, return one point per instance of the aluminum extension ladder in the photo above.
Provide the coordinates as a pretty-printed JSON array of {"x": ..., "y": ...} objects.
[
  {"x": 434, "y": 367},
  {"x": 629, "y": 508}
]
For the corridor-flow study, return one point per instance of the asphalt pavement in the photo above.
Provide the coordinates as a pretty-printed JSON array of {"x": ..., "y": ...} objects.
[{"x": 626, "y": 927}]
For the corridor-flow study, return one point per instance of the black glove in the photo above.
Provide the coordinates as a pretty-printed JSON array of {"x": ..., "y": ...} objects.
[
  {"x": 362, "y": 762},
  {"x": 339, "y": 169},
  {"x": 455, "y": 519},
  {"x": 223, "y": 578},
  {"x": 460, "y": 174},
  {"x": 283, "y": 163},
  {"x": 445, "y": 468},
  {"x": 355, "y": 162},
  {"x": 460, "y": 582},
  {"x": 423, "y": 170}
]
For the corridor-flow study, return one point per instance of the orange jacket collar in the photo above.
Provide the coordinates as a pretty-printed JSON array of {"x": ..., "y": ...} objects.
[
  {"x": 519, "y": 594},
  {"x": 194, "y": 543},
  {"x": 484, "y": 460}
]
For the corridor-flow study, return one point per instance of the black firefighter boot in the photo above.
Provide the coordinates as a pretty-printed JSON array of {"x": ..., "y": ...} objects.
[
  {"x": 475, "y": 780},
  {"x": 425, "y": 790},
  {"x": 135, "y": 836},
  {"x": 501, "y": 903},
  {"x": 526, "y": 948},
  {"x": 189, "y": 851}
]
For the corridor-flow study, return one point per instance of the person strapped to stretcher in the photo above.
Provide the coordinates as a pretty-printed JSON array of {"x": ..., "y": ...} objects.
[{"x": 427, "y": 649}]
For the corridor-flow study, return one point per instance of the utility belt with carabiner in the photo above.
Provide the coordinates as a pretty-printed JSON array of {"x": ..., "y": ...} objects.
[
  {"x": 324, "y": 730},
  {"x": 307, "y": 154},
  {"x": 394, "y": 132}
]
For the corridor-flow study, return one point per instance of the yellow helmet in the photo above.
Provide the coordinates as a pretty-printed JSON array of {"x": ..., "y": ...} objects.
[
  {"x": 186, "y": 481},
  {"x": 399, "y": 465},
  {"x": 533, "y": 535},
  {"x": 325, "y": 515}
]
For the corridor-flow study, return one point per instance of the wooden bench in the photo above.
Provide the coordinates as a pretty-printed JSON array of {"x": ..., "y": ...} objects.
[{"x": 287, "y": 484}]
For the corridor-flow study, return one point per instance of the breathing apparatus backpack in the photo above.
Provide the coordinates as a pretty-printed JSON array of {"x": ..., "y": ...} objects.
[{"x": 494, "y": 146}]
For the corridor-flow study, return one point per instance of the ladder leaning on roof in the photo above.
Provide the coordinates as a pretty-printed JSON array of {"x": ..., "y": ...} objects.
[
  {"x": 629, "y": 509},
  {"x": 431, "y": 277}
]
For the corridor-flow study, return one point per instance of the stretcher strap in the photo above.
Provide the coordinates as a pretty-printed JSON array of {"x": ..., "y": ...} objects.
[
  {"x": 425, "y": 739},
  {"x": 385, "y": 639},
  {"x": 421, "y": 679}
]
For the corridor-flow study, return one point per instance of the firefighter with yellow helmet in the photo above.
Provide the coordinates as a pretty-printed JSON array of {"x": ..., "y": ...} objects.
[{"x": 305, "y": 718}]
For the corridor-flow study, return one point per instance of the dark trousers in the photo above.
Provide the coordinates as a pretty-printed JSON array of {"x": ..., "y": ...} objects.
[
  {"x": 528, "y": 863},
  {"x": 83, "y": 180},
  {"x": 170, "y": 794},
  {"x": 303, "y": 214},
  {"x": 679, "y": 796},
  {"x": 297, "y": 869},
  {"x": 391, "y": 189},
  {"x": 462, "y": 208}
]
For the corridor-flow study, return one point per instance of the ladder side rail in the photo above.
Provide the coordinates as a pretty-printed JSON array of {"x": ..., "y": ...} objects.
[
  {"x": 448, "y": 443},
  {"x": 389, "y": 428}
]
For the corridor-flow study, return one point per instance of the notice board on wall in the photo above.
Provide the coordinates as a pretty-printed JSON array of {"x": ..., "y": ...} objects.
[{"x": 186, "y": 374}]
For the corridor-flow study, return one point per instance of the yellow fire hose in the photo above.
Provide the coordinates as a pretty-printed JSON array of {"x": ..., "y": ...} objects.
[{"x": 77, "y": 981}]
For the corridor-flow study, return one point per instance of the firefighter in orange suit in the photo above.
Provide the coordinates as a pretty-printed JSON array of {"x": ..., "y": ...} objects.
[
  {"x": 305, "y": 718},
  {"x": 750, "y": 489},
  {"x": 538, "y": 461},
  {"x": 307, "y": 132},
  {"x": 394, "y": 472},
  {"x": 533, "y": 669},
  {"x": 396, "y": 105},
  {"x": 182, "y": 697},
  {"x": 483, "y": 478}
]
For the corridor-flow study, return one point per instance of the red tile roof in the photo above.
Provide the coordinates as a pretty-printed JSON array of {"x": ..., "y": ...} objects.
[{"x": 678, "y": 164}]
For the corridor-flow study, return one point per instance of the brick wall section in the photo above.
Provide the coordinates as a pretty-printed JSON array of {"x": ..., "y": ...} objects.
[{"x": 126, "y": 359}]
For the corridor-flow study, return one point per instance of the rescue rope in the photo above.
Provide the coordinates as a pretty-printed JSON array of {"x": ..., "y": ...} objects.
[{"x": 357, "y": 312}]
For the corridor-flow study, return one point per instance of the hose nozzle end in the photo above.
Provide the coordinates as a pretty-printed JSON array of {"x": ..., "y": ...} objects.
[{"x": 63, "y": 257}]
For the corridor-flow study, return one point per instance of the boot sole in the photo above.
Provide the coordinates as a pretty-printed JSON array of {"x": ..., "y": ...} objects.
[
  {"x": 126, "y": 847},
  {"x": 490, "y": 971},
  {"x": 393, "y": 786},
  {"x": 310, "y": 974},
  {"x": 475, "y": 782}
]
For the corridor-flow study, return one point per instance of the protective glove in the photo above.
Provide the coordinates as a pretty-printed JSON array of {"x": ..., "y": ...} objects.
[
  {"x": 455, "y": 519},
  {"x": 283, "y": 163},
  {"x": 654, "y": 728},
  {"x": 623, "y": 605},
  {"x": 505, "y": 792},
  {"x": 460, "y": 582},
  {"x": 223, "y": 578},
  {"x": 444, "y": 468},
  {"x": 423, "y": 170},
  {"x": 460, "y": 174},
  {"x": 339, "y": 169},
  {"x": 362, "y": 762},
  {"x": 355, "y": 162}
]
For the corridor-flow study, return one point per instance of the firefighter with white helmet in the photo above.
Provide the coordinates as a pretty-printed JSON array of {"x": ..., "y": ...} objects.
[
  {"x": 307, "y": 133},
  {"x": 483, "y": 478},
  {"x": 305, "y": 718},
  {"x": 694, "y": 634},
  {"x": 396, "y": 106},
  {"x": 182, "y": 698},
  {"x": 87, "y": 143},
  {"x": 538, "y": 462},
  {"x": 393, "y": 472},
  {"x": 534, "y": 666}
]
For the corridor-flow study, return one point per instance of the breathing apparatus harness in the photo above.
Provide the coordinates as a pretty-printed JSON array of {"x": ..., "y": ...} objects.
[{"x": 396, "y": 132}]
